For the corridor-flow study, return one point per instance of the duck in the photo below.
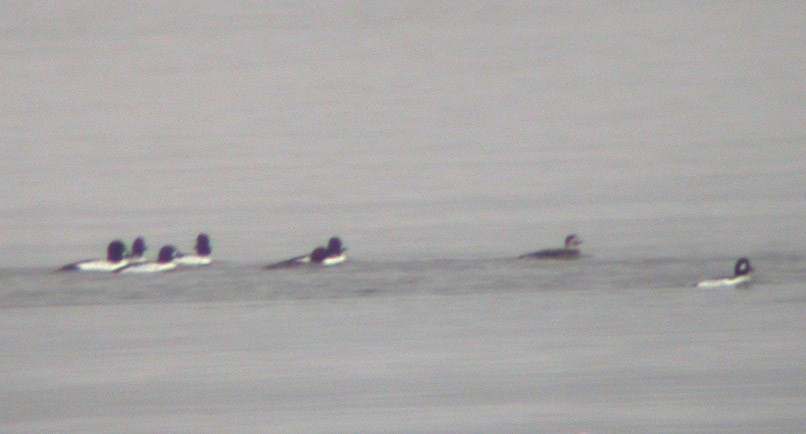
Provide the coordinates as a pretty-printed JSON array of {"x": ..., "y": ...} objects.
[
  {"x": 569, "y": 251},
  {"x": 115, "y": 260},
  {"x": 165, "y": 262},
  {"x": 333, "y": 254},
  {"x": 201, "y": 257},
  {"x": 138, "y": 250},
  {"x": 741, "y": 277}
]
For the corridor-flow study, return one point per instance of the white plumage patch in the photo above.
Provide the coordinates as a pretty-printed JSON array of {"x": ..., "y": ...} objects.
[
  {"x": 101, "y": 265},
  {"x": 724, "y": 282},
  {"x": 150, "y": 267},
  {"x": 193, "y": 260},
  {"x": 333, "y": 260}
]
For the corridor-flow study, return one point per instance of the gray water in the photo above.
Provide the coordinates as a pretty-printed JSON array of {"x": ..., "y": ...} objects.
[{"x": 440, "y": 141}]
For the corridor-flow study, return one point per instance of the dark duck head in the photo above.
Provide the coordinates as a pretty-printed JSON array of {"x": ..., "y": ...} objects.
[
  {"x": 742, "y": 267},
  {"x": 318, "y": 255},
  {"x": 572, "y": 242},
  {"x": 139, "y": 247},
  {"x": 115, "y": 251},
  {"x": 203, "y": 247},
  {"x": 167, "y": 254},
  {"x": 334, "y": 247}
]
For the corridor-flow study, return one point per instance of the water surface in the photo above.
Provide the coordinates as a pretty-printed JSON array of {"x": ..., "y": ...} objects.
[{"x": 440, "y": 141}]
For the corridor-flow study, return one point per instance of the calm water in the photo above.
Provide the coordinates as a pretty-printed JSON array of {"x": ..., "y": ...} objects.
[
  {"x": 439, "y": 140},
  {"x": 231, "y": 282},
  {"x": 429, "y": 346}
]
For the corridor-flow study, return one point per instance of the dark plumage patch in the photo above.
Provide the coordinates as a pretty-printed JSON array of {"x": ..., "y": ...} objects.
[
  {"x": 115, "y": 251},
  {"x": 203, "y": 247},
  {"x": 167, "y": 254},
  {"x": 569, "y": 251},
  {"x": 742, "y": 267},
  {"x": 139, "y": 246}
]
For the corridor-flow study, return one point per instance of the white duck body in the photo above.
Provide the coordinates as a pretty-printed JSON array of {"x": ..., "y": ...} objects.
[
  {"x": 334, "y": 260},
  {"x": 101, "y": 265},
  {"x": 193, "y": 260},
  {"x": 724, "y": 282},
  {"x": 149, "y": 267}
]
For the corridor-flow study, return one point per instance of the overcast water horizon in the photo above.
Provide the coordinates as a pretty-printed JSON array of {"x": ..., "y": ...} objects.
[{"x": 439, "y": 140}]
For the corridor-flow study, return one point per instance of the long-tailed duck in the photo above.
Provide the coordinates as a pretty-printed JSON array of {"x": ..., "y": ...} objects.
[{"x": 570, "y": 251}]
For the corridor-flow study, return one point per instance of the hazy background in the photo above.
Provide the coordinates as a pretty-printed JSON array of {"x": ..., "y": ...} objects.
[
  {"x": 436, "y": 129},
  {"x": 670, "y": 135}
]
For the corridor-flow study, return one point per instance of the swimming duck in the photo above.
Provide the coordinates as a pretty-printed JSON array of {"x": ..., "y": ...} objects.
[
  {"x": 203, "y": 250},
  {"x": 114, "y": 261},
  {"x": 741, "y": 276},
  {"x": 570, "y": 251},
  {"x": 331, "y": 255}
]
